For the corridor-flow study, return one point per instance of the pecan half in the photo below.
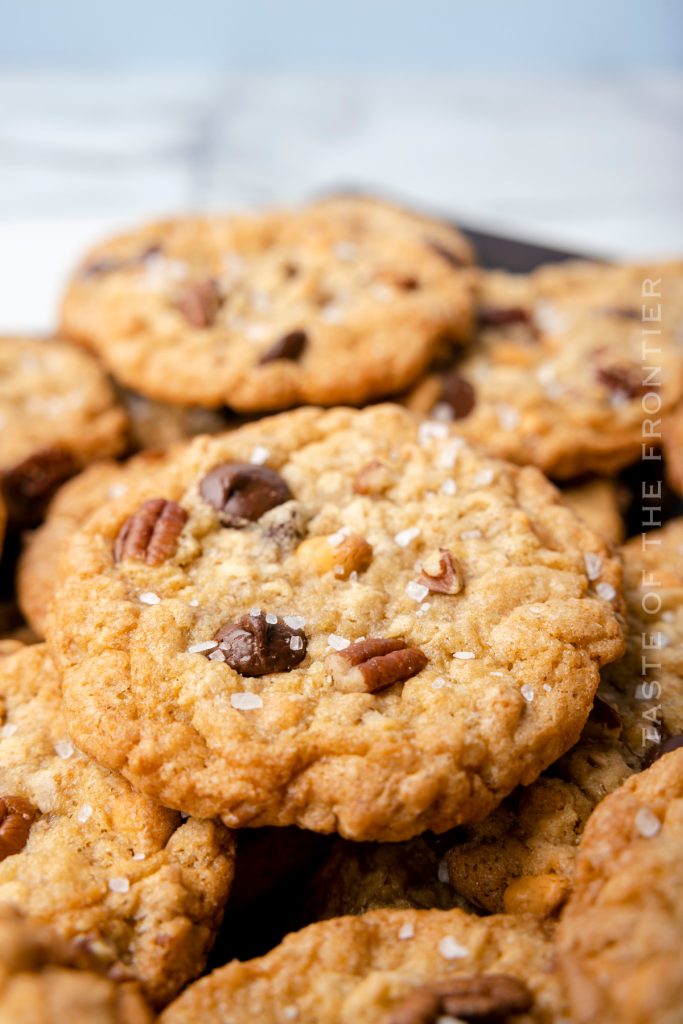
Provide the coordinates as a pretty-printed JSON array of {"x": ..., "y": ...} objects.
[
  {"x": 151, "y": 534},
  {"x": 446, "y": 254},
  {"x": 290, "y": 346},
  {"x": 241, "y": 492},
  {"x": 502, "y": 316},
  {"x": 442, "y": 574},
  {"x": 16, "y": 817},
  {"x": 459, "y": 394},
  {"x": 257, "y": 646},
  {"x": 624, "y": 379},
  {"x": 374, "y": 664},
  {"x": 199, "y": 302},
  {"x": 487, "y": 998},
  {"x": 29, "y": 485}
]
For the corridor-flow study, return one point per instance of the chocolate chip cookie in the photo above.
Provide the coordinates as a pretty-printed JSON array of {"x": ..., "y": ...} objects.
[
  {"x": 522, "y": 856},
  {"x": 571, "y": 369},
  {"x": 388, "y": 967},
  {"x": 620, "y": 935},
  {"x": 57, "y": 414},
  {"x": 139, "y": 889},
  {"x": 69, "y": 509},
  {"x": 340, "y": 302},
  {"x": 673, "y": 449},
  {"x": 158, "y": 425},
  {"x": 45, "y": 980},
  {"x": 345, "y": 620}
]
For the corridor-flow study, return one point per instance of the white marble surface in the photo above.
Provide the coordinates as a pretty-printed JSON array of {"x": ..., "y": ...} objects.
[{"x": 589, "y": 162}]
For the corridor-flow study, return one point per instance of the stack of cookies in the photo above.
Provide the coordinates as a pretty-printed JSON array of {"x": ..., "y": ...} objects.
[{"x": 370, "y": 697}]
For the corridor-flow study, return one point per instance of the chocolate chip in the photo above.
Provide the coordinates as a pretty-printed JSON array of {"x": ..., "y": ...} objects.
[
  {"x": 483, "y": 999},
  {"x": 255, "y": 646},
  {"x": 151, "y": 534},
  {"x": 502, "y": 316},
  {"x": 241, "y": 493},
  {"x": 442, "y": 574},
  {"x": 459, "y": 394},
  {"x": 290, "y": 347},
  {"x": 374, "y": 664},
  {"x": 29, "y": 485},
  {"x": 658, "y": 750},
  {"x": 624, "y": 379},
  {"x": 446, "y": 254},
  {"x": 199, "y": 302},
  {"x": 284, "y": 526},
  {"x": 16, "y": 817}
]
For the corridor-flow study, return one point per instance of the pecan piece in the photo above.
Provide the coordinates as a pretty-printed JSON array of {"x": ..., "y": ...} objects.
[
  {"x": 487, "y": 998},
  {"x": 199, "y": 302},
  {"x": 16, "y": 817},
  {"x": 29, "y": 485},
  {"x": 241, "y": 492},
  {"x": 459, "y": 394},
  {"x": 354, "y": 554},
  {"x": 442, "y": 574},
  {"x": 374, "y": 664},
  {"x": 259, "y": 644},
  {"x": 151, "y": 534},
  {"x": 623, "y": 379},
  {"x": 290, "y": 346}
]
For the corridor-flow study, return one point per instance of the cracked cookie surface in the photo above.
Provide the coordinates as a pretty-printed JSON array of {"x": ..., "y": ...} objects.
[
  {"x": 342, "y": 620},
  {"x": 140, "y": 890},
  {"x": 557, "y": 375},
  {"x": 388, "y": 967},
  {"x": 620, "y": 935},
  {"x": 339, "y": 302}
]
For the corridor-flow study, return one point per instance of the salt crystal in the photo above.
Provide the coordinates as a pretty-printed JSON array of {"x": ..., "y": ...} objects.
[
  {"x": 527, "y": 692},
  {"x": 547, "y": 688},
  {"x": 593, "y": 565},
  {"x": 508, "y": 416},
  {"x": 438, "y": 683},
  {"x": 296, "y": 643},
  {"x": 119, "y": 884},
  {"x": 470, "y": 535},
  {"x": 416, "y": 591},
  {"x": 116, "y": 491},
  {"x": 483, "y": 478},
  {"x": 194, "y": 603},
  {"x": 290, "y": 1013},
  {"x": 448, "y": 455},
  {"x": 256, "y": 332},
  {"x": 431, "y": 431},
  {"x": 217, "y": 655},
  {"x": 549, "y": 318},
  {"x": 406, "y": 931},
  {"x": 294, "y": 621},
  {"x": 404, "y": 537},
  {"x": 254, "y": 612},
  {"x": 84, "y": 813},
  {"x": 64, "y": 749},
  {"x": 463, "y": 655},
  {"x": 338, "y": 642},
  {"x": 647, "y": 823},
  {"x": 497, "y": 673},
  {"x": 423, "y": 609},
  {"x": 149, "y": 597},
  {"x": 259, "y": 455},
  {"x": 201, "y": 648},
  {"x": 606, "y": 591},
  {"x": 442, "y": 412},
  {"x": 335, "y": 539},
  {"x": 246, "y": 701},
  {"x": 449, "y": 487},
  {"x": 8, "y": 729},
  {"x": 333, "y": 313},
  {"x": 271, "y": 619},
  {"x": 450, "y": 949},
  {"x": 139, "y": 856}
]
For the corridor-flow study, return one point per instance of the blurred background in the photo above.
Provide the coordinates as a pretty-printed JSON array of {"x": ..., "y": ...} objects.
[{"x": 552, "y": 122}]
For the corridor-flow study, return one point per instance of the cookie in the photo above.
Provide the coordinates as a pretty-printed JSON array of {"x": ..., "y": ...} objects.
[
  {"x": 45, "y": 980},
  {"x": 107, "y": 868},
  {"x": 340, "y": 302},
  {"x": 57, "y": 414},
  {"x": 620, "y": 935},
  {"x": 571, "y": 369},
  {"x": 357, "y": 877},
  {"x": 673, "y": 449},
  {"x": 69, "y": 509},
  {"x": 522, "y": 856},
  {"x": 339, "y": 620},
  {"x": 158, "y": 425},
  {"x": 597, "y": 503},
  {"x": 388, "y": 967}
]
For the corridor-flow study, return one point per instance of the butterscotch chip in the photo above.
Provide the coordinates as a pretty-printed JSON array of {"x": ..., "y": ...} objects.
[
  {"x": 479, "y": 692},
  {"x": 351, "y": 554},
  {"x": 389, "y": 967},
  {"x": 58, "y": 414},
  {"x": 133, "y": 886},
  {"x": 338, "y": 302}
]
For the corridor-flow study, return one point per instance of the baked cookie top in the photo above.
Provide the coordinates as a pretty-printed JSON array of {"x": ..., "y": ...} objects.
[
  {"x": 388, "y": 967},
  {"x": 44, "y": 978},
  {"x": 339, "y": 302},
  {"x": 522, "y": 856},
  {"x": 139, "y": 889},
  {"x": 567, "y": 365},
  {"x": 77, "y": 499},
  {"x": 342, "y": 620},
  {"x": 57, "y": 414},
  {"x": 620, "y": 935}
]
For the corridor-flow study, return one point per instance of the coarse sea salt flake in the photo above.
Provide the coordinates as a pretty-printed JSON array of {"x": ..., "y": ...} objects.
[
  {"x": 139, "y": 856},
  {"x": 294, "y": 621},
  {"x": 271, "y": 619},
  {"x": 463, "y": 655},
  {"x": 149, "y": 597},
  {"x": 431, "y": 430},
  {"x": 217, "y": 655},
  {"x": 296, "y": 643},
  {"x": 606, "y": 591},
  {"x": 84, "y": 812},
  {"x": 338, "y": 642},
  {"x": 8, "y": 729},
  {"x": 483, "y": 478},
  {"x": 119, "y": 884},
  {"x": 335, "y": 539},
  {"x": 470, "y": 535},
  {"x": 647, "y": 823},
  {"x": 404, "y": 537},
  {"x": 246, "y": 701},
  {"x": 593, "y": 565},
  {"x": 527, "y": 692},
  {"x": 202, "y": 647},
  {"x": 406, "y": 931},
  {"x": 416, "y": 591},
  {"x": 451, "y": 949},
  {"x": 259, "y": 455},
  {"x": 64, "y": 749},
  {"x": 449, "y": 487},
  {"x": 438, "y": 683}
]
